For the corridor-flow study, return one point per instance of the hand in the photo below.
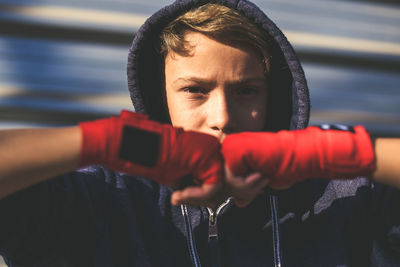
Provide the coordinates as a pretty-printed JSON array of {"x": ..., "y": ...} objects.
[
  {"x": 244, "y": 188},
  {"x": 288, "y": 157},
  {"x": 207, "y": 195},
  {"x": 133, "y": 144}
]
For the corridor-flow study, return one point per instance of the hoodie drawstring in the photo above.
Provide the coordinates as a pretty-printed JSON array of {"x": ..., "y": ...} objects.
[
  {"x": 275, "y": 233},
  {"x": 275, "y": 230},
  {"x": 190, "y": 238}
]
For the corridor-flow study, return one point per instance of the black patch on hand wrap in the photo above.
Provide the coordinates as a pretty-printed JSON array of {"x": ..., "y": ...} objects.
[{"x": 139, "y": 146}]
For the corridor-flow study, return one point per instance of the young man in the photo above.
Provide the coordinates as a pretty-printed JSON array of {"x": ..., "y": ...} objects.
[{"x": 213, "y": 71}]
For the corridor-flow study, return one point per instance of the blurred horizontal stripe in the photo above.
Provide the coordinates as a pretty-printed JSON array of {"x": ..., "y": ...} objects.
[
  {"x": 122, "y": 21},
  {"x": 343, "y": 43},
  {"x": 57, "y": 14}
]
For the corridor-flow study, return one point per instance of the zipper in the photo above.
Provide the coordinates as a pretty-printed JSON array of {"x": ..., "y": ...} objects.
[
  {"x": 212, "y": 220},
  {"x": 190, "y": 238},
  {"x": 275, "y": 230},
  {"x": 212, "y": 230},
  {"x": 213, "y": 245}
]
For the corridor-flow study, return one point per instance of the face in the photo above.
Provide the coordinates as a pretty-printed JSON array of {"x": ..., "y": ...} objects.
[{"x": 218, "y": 89}]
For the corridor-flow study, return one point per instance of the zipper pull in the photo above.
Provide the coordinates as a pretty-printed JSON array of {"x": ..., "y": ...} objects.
[
  {"x": 213, "y": 242},
  {"x": 212, "y": 226},
  {"x": 212, "y": 221}
]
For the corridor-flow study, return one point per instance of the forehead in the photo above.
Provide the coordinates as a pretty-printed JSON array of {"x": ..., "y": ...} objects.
[{"x": 210, "y": 58}]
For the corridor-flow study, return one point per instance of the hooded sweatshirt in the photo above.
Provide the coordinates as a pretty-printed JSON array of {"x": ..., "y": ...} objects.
[{"x": 96, "y": 217}]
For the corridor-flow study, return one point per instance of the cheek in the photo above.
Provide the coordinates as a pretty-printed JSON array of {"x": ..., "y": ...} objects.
[
  {"x": 175, "y": 110},
  {"x": 182, "y": 114},
  {"x": 255, "y": 114},
  {"x": 252, "y": 116}
]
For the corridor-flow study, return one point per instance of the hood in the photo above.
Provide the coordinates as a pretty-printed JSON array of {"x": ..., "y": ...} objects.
[{"x": 288, "y": 102}]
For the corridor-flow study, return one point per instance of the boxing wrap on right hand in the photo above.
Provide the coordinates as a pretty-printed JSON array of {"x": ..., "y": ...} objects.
[
  {"x": 287, "y": 157},
  {"x": 133, "y": 144}
]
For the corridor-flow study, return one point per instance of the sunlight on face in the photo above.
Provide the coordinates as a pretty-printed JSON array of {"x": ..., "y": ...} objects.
[{"x": 218, "y": 90}]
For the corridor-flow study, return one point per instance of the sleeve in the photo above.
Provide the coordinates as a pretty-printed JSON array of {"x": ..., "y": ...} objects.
[{"x": 40, "y": 219}]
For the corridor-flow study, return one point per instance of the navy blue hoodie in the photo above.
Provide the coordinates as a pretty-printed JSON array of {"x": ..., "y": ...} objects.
[{"x": 96, "y": 217}]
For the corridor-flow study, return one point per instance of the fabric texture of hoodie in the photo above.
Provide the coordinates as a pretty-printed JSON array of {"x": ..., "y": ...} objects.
[{"x": 96, "y": 217}]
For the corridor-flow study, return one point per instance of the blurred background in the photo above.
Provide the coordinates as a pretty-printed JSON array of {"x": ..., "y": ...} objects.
[{"x": 64, "y": 61}]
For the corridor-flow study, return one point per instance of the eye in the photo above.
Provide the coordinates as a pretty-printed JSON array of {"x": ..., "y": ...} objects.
[
  {"x": 247, "y": 91},
  {"x": 194, "y": 90}
]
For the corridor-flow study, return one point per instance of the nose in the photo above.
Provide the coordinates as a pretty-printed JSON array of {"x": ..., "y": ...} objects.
[{"x": 220, "y": 117}]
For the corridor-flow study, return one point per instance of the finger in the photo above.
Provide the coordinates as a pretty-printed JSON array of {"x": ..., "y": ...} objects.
[
  {"x": 258, "y": 185},
  {"x": 228, "y": 171},
  {"x": 250, "y": 180},
  {"x": 195, "y": 195},
  {"x": 254, "y": 187},
  {"x": 194, "y": 201},
  {"x": 231, "y": 178},
  {"x": 237, "y": 180},
  {"x": 254, "y": 180},
  {"x": 247, "y": 185}
]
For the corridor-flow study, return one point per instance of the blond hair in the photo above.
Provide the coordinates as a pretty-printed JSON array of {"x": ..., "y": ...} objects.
[{"x": 217, "y": 22}]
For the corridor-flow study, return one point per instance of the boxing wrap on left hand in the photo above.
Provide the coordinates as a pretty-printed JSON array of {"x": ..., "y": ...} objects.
[
  {"x": 133, "y": 144},
  {"x": 287, "y": 157}
]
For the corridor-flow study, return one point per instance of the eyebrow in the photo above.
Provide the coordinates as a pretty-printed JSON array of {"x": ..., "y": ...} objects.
[
  {"x": 251, "y": 80},
  {"x": 193, "y": 79},
  {"x": 199, "y": 80}
]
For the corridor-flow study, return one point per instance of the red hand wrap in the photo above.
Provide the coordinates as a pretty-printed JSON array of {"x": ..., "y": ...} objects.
[
  {"x": 287, "y": 157},
  {"x": 123, "y": 143}
]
